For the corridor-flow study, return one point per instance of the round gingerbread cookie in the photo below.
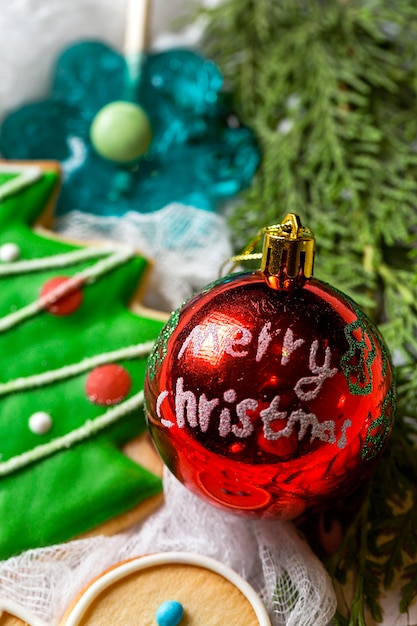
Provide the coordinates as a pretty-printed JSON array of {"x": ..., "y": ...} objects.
[{"x": 168, "y": 589}]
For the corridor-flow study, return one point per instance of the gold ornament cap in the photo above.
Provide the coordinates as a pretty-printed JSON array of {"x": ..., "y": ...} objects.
[{"x": 288, "y": 252}]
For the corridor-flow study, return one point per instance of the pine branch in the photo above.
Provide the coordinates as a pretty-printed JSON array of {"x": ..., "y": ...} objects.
[
  {"x": 381, "y": 542},
  {"x": 409, "y": 589},
  {"x": 329, "y": 87}
]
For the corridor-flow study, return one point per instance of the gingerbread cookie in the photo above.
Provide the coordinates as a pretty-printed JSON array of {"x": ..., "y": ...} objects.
[
  {"x": 72, "y": 362},
  {"x": 168, "y": 589}
]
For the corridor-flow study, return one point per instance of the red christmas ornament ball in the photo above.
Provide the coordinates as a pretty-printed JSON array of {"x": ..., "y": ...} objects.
[{"x": 269, "y": 401}]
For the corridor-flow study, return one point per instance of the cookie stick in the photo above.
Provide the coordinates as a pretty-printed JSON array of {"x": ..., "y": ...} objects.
[{"x": 137, "y": 36}]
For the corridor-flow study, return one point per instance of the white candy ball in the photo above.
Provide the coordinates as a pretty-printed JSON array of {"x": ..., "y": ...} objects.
[
  {"x": 9, "y": 252},
  {"x": 40, "y": 422}
]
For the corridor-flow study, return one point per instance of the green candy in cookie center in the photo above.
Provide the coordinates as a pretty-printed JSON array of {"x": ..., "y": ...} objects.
[{"x": 121, "y": 132}]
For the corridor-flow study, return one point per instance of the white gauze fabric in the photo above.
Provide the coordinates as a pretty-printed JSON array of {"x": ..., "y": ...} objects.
[
  {"x": 186, "y": 246},
  {"x": 270, "y": 555}
]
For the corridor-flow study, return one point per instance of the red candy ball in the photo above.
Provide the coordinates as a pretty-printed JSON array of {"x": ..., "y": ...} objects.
[
  {"x": 269, "y": 401},
  {"x": 64, "y": 304},
  {"x": 108, "y": 384}
]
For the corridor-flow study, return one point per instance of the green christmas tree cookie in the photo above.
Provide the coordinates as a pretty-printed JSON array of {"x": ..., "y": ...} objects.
[{"x": 72, "y": 364}]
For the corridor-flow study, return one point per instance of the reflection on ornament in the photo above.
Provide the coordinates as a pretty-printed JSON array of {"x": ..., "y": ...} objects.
[{"x": 270, "y": 392}]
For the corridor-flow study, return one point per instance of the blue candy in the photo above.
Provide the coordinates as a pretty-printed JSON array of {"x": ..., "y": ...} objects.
[
  {"x": 199, "y": 153},
  {"x": 169, "y": 613}
]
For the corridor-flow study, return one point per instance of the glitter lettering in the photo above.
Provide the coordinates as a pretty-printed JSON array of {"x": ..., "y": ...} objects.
[
  {"x": 321, "y": 373},
  {"x": 185, "y": 405},
  {"x": 198, "y": 336},
  {"x": 246, "y": 428},
  {"x": 289, "y": 345},
  {"x": 264, "y": 339},
  {"x": 224, "y": 423},
  {"x": 342, "y": 441},
  {"x": 161, "y": 398},
  {"x": 232, "y": 416},
  {"x": 201, "y": 412},
  {"x": 243, "y": 340},
  {"x": 271, "y": 414},
  {"x": 205, "y": 408}
]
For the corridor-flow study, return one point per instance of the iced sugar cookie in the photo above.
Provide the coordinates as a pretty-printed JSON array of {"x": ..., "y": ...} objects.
[
  {"x": 13, "y": 614},
  {"x": 73, "y": 350},
  {"x": 171, "y": 589}
]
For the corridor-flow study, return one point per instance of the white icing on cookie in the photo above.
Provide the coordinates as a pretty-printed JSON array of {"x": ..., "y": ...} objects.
[
  {"x": 67, "y": 371},
  {"x": 114, "y": 259},
  {"x": 26, "y": 175},
  {"x": 16, "y": 610},
  {"x": 114, "y": 256},
  {"x": 141, "y": 563},
  {"x": 65, "y": 259},
  {"x": 90, "y": 428}
]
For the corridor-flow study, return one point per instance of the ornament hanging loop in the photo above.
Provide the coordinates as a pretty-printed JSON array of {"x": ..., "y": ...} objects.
[
  {"x": 288, "y": 253},
  {"x": 248, "y": 254}
]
